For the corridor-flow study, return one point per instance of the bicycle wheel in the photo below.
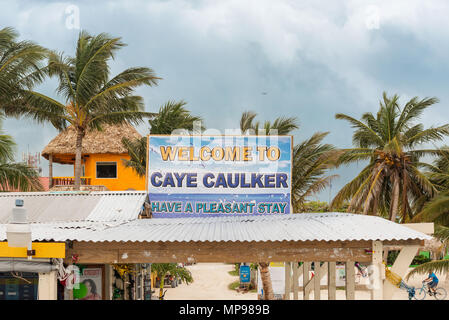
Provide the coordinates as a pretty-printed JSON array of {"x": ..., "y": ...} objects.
[
  {"x": 420, "y": 294},
  {"x": 440, "y": 294}
]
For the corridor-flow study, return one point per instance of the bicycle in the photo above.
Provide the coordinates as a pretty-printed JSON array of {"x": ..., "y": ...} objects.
[{"x": 420, "y": 294}]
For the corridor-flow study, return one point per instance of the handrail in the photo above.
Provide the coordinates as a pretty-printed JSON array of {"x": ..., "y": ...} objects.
[{"x": 67, "y": 181}]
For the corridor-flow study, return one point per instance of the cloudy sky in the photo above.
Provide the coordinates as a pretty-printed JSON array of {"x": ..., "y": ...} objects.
[{"x": 308, "y": 59}]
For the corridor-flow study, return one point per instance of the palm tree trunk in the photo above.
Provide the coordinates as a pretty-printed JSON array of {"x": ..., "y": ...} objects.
[
  {"x": 268, "y": 293},
  {"x": 78, "y": 150},
  {"x": 394, "y": 205},
  {"x": 395, "y": 198},
  {"x": 161, "y": 287},
  {"x": 375, "y": 205}
]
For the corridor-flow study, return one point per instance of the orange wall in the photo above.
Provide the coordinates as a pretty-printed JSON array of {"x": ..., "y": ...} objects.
[{"x": 126, "y": 177}]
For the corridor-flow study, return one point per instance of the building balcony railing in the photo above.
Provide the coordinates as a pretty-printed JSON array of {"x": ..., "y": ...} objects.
[{"x": 70, "y": 181}]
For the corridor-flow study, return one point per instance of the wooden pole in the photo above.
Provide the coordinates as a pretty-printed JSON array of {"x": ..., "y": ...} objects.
[
  {"x": 306, "y": 288},
  {"x": 331, "y": 285},
  {"x": 316, "y": 280},
  {"x": 47, "y": 286},
  {"x": 288, "y": 283},
  {"x": 377, "y": 272},
  {"x": 295, "y": 280},
  {"x": 50, "y": 171},
  {"x": 350, "y": 280}
]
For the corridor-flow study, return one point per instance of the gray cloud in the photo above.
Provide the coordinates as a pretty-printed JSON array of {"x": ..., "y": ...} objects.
[{"x": 312, "y": 58}]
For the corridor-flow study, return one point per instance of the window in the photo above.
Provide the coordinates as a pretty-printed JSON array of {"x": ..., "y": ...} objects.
[{"x": 106, "y": 170}]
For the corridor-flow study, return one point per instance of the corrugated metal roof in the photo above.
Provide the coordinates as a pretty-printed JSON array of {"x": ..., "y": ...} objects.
[
  {"x": 69, "y": 206},
  {"x": 291, "y": 227}
]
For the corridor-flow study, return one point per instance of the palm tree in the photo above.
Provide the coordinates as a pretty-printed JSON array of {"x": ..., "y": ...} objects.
[
  {"x": 163, "y": 269},
  {"x": 442, "y": 265},
  {"x": 311, "y": 160},
  {"x": 90, "y": 97},
  {"x": 389, "y": 142},
  {"x": 15, "y": 176},
  {"x": 280, "y": 126},
  {"x": 20, "y": 67},
  {"x": 436, "y": 209},
  {"x": 171, "y": 116}
]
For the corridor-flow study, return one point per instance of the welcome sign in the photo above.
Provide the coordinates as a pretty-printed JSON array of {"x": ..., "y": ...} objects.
[{"x": 219, "y": 175}]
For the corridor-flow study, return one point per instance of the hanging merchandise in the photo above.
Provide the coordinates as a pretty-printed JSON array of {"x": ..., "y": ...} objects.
[
  {"x": 69, "y": 276},
  {"x": 123, "y": 269}
]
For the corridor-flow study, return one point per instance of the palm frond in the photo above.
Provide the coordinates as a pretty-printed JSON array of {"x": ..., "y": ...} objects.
[
  {"x": 137, "y": 150},
  {"x": 246, "y": 121},
  {"x": 172, "y": 116},
  {"x": 367, "y": 136},
  {"x": 437, "y": 266},
  {"x": 18, "y": 177}
]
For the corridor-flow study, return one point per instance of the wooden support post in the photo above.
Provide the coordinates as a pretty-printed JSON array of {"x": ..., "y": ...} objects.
[
  {"x": 125, "y": 286},
  {"x": 316, "y": 280},
  {"x": 50, "y": 171},
  {"x": 377, "y": 271},
  {"x": 295, "y": 280},
  {"x": 400, "y": 267},
  {"x": 288, "y": 282},
  {"x": 331, "y": 281},
  {"x": 306, "y": 283},
  {"x": 350, "y": 280},
  {"x": 47, "y": 286},
  {"x": 108, "y": 280}
]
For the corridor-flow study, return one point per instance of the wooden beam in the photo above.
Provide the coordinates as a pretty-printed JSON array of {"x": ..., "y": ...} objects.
[
  {"x": 306, "y": 281},
  {"x": 42, "y": 250},
  {"x": 47, "y": 286},
  {"x": 288, "y": 282},
  {"x": 350, "y": 280},
  {"x": 317, "y": 280},
  {"x": 296, "y": 274},
  {"x": 425, "y": 227},
  {"x": 377, "y": 271},
  {"x": 331, "y": 281},
  {"x": 400, "y": 267},
  {"x": 160, "y": 252},
  {"x": 50, "y": 171},
  {"x": 251, "y": 244}
]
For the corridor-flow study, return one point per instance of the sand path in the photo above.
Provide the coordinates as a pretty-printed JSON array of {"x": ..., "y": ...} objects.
[{"x": 211, "y": 282}]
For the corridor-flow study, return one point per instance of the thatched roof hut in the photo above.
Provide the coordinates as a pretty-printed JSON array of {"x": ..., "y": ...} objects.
[{"x": 108, "y": 140}]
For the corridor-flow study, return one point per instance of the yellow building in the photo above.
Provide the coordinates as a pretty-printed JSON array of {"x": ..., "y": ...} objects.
[{"x": 102, "y": 159}]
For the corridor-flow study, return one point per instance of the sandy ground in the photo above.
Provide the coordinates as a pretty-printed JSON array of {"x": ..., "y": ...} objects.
[{"x": 211, "y": 282}]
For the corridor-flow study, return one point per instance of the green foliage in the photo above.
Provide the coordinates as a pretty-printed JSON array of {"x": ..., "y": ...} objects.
[
  {"x": 280, "y": 126},
  {"x": 89, "y": 96},
  {"x": 21, "y": 67},
  {"x": 234, "y": 285},
  {"x": 418, "y": 260},
  {"x": 311, "y": 161},
  {"x": 311, "y": 158},
  {"x": 436, "y": 209},
  {"x": 163, "y": 269},
  {"x": 137, "y": 150},
  {"x": 171, "y": 116},
  {"x": 15, "y": 176},
  {"x": 437, "y": 266},
  {"x": 322, "y": 206}
]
